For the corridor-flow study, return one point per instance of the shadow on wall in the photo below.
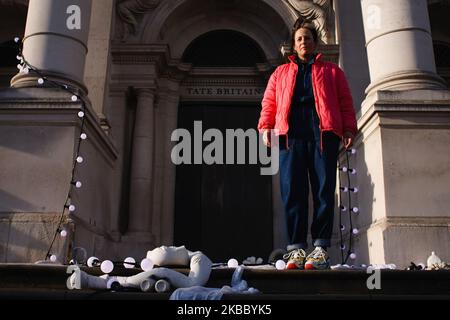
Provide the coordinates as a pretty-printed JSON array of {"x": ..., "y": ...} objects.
[{"x": 10, "y": 202}]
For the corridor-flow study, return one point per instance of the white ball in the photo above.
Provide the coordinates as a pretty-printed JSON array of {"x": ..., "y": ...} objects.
[
  {"x": 74, "y": 98},
  {"x": 53, "y": 258},
  {"x": 81, "y": 114},
  {"x": 146, "y": 264},
  {"x": 352, "y": 256},
  {"x": 63, "y": 233},
  {"x": 344, "y": 169},
  {"x": 78, "y": 184},
  {"x": 79, "y": 159},
  {"x": 355, "y": 209},
  {"x": 280, "y": 265},
  {"x": 233, "y": 263},
  {"x": 91, "y": 261},
  {"x": 107, "y": 266},
  {"x": 41, "y": 81},
  {"x": 131, "y": 260},
  {"x": 83, "y": 136},
  {"x": 71, "y": 208},
  {"x": 16, "y": 39},
  {"x": 355, "y": 231}
]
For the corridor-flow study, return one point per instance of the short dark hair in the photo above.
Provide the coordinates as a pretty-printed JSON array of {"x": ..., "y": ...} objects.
[{"x": 303, "y": 23}]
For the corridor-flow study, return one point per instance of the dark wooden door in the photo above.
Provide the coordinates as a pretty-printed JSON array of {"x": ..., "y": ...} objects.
[{"x": 223, "y": 210}]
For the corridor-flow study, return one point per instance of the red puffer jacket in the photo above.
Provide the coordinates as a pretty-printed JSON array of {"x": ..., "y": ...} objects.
[{"x": 332, "y": 97}]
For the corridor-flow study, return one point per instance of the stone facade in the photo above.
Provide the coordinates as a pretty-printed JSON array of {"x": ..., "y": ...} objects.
[{"x": 128, "y": 63}]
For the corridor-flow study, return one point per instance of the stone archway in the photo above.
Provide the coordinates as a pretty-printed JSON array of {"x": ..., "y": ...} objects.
[
  {"x": 177, "y": 27},
  {"x": 179, "y": 23}
]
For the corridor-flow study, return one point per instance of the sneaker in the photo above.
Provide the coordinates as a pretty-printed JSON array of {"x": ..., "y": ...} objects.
[
  {"x": 295, "y": 259},
  {"x": 317, "y": 260}
]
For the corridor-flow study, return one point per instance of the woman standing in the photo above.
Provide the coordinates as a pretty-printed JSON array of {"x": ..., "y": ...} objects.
[{"x": 308, "y": 104}]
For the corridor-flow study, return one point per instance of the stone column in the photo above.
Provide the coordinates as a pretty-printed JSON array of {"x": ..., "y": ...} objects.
[
  {"x": 97, "y": 59},
  {"x": 117, "y": 113},
  {"x": 399, "y": 45},
  {"x": 352, "y": 53},
  {"x": 141, "y": 189},
  {"x": 403, "y": 154},
  {"x": 55, "y": 41},
  {"x": 164, "y": 196}
]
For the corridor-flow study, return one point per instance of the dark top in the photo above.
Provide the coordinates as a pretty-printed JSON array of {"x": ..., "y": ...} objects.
[{"x": 303, "y": 118}]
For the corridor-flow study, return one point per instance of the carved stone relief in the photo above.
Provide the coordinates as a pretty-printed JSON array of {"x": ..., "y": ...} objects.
[
  {"x": 129, "y": 10},
  {"x": 317, "y": 11}
]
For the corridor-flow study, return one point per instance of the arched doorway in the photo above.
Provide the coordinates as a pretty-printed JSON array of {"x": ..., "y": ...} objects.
[{"x": 224, "y": 210}]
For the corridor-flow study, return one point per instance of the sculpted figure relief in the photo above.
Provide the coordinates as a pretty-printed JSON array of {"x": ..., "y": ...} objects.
[
  {"x": 314, "y": 10},
  {"x": 129, "y": 9}
]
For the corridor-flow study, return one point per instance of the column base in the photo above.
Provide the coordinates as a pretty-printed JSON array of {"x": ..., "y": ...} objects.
[
  {"x": 136, "y": 244},
  {"x": 403, "y": 174},
  {"x": 22, "y": 80},
  {"x": 408, "y": 80}
]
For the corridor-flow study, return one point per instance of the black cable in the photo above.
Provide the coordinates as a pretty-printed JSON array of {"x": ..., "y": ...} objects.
[
  {"x": 350, "y": 209},
  {"x": 340, "y": 217}
]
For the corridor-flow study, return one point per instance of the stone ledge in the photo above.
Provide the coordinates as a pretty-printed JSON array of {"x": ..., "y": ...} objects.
[
  {"x": 406, "y": 100},
  {"x": 52, "y": 107},
  {"x": 272, "y": 283}
]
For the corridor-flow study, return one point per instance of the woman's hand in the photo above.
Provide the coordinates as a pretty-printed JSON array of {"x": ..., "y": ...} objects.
[
  {"x": 347, "y": 139},
  {"x": 266, "y": 137}
]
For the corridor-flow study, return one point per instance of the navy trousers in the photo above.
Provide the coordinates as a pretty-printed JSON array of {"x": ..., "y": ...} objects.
[{"x": 303, "y": 163}]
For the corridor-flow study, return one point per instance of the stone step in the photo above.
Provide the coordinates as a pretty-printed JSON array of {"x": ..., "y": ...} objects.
[
  {"x": 31, "y": 279},
  {"x": 341, "y": 282},
  {"x": 64, "y": 294}
]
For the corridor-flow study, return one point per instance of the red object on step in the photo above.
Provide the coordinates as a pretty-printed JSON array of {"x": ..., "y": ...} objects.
[{"x": 309, "y": 266}]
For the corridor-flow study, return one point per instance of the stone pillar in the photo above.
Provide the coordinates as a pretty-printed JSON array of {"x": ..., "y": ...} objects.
[
  {"x": 399, "y": 45},
  {"x": 141, "y": 189},
  {"x": 352, "y": 53},
  {"x": 118, "y": 114},
  {"x": 97, "y": 59},
  {"x": 403, "y": 154},
  {"x": 55, "y": 41},
  {"x": 164, "y": 184}
]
